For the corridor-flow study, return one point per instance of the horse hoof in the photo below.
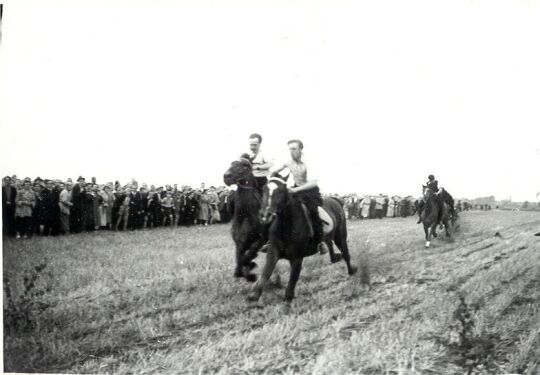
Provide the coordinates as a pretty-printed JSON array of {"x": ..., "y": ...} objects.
[
  {"x": 237, "y": 273},
  {"x": 427, "y": 244},
  {"x": 353, "y": 270},
  {"x": 336, "y": 258},
  {"x": 252, "y": 265},
  {"x": 251, "y": 277}
]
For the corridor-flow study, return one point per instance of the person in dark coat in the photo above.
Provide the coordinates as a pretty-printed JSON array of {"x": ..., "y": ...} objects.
[
  {"x": 143, "y": 205},
  {"x": 372, "y": 207},
  {"x": 134, "y": 208},
  {"x": 89, "y": 202},
  {"x": 188, "y": 209},
  {"x": 78, "y": 210},
  {"x": 155, "y": 206},
  {"x": 9, "y": 194},
  {"x": 151, "y": 203},
  {"x": 38, "y": 214},
  {"x": 51, "y": 212},
  {"x": 119, "y": 196},
  {"x": 57, "y": 224},
  {"x": 138, "y": 203}
]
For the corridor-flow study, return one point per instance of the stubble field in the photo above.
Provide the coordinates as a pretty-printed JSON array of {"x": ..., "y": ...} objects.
[{"x": 165, "y": 301}]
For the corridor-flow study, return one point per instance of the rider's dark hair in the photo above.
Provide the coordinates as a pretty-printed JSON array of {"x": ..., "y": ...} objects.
[
  {"x": 256, "y": 135},
  {"x": 297, "y": 141}
]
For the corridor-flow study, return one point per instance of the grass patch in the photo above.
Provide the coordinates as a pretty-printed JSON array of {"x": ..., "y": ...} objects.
[{"x": 165, "y": 301}]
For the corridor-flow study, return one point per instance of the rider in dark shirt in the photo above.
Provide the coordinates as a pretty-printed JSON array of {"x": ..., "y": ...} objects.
[
  {"x": 432, "y": 184},
  {"x": 441, "y": 196}
]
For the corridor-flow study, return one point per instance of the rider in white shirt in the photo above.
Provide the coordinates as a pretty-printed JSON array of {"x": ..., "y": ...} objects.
[
  {"x": 304, "y": 189},
  {"x": 261, "y": 164}
]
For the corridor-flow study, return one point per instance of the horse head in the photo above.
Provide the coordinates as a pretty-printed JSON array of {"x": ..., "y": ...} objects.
[
  {"x": 426, "y": 193},
  {"x": 275, "y": 198},
  {"x": 240, "y": 172}
]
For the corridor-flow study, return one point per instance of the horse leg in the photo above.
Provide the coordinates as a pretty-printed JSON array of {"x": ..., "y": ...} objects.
[
  {"x": 296, "y": 268},
  {"x": 271, "y": 261},
  {"x": 247, "y": 260},
  {"x": 252, "y": 253},
  {"x": 340, "y": 238},
  {"x": 427, "y": 231},
  {"x": 447, "y": 227},
  {"x": 334, "y": 258},
  {"x": 239, "y": 253}
]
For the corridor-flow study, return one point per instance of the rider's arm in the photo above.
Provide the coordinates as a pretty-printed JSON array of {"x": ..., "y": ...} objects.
[
  {"x": 265, "y": 166},
  {"x": 277, "y": 168},
  {"x": 308, "y": 185}
]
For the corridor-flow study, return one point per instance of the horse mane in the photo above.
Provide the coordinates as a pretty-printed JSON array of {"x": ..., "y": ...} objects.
[
  {"x": 245, "y": 156},
  {"x": 430, "y": 205}
]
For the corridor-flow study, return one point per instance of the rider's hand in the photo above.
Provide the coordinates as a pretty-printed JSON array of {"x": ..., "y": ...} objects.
[{"x": 291, "y": 190}]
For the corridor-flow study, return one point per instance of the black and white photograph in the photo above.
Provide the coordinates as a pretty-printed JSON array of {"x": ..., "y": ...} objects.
[{"x": 270, "y": 187}]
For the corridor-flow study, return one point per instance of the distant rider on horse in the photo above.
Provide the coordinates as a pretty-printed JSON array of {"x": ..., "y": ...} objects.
[
  {"x": 440, "y": 197},
  {"x": 304, "y": 190}
]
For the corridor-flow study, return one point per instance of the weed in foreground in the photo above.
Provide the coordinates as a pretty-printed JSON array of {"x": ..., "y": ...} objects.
[
  {"x": 475, "y": 353},
  {"x": 20, "y": 312}
]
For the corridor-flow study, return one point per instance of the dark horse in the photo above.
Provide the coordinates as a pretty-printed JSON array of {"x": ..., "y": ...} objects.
[
  {"x": 247, "y": 230},
  {"x": 289, "y": 234},
  {"x": 431, "y": 214}
]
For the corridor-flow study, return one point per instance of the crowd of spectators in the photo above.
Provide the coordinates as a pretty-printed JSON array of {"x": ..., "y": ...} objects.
[
  {"x": 54, "y": 207},
  {"x": 379, "y": 206}
]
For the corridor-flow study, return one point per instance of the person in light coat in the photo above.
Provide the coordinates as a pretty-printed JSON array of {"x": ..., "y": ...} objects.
[
  {"x": 65, "y": 205},
  {"x": 24, "y": 206}
]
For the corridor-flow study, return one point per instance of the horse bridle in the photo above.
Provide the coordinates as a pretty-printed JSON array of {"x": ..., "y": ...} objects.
[{"x": 241, "y": 179}]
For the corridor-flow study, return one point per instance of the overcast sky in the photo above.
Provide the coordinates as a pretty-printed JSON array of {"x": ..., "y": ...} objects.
[{"x": 382, "y": 93}]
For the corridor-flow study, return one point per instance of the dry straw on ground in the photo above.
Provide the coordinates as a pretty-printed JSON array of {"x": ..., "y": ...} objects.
[{"x": 165, "y": 301}]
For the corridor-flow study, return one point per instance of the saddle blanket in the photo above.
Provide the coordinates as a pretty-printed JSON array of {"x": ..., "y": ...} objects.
[{"x": 328, "y": 223}]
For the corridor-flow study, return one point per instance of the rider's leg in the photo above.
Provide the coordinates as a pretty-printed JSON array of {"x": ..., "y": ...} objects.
[
  {"x": 440, "y": 202},
  {"x": 450, "y": 202},
  {"x": 312, "y": 199},
  {"x": 261, "y": 182},
  {"x": 420, "y": 208}
]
